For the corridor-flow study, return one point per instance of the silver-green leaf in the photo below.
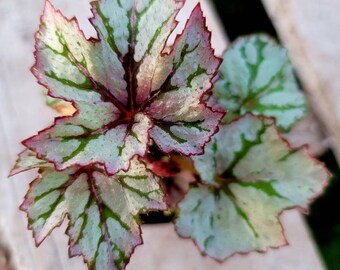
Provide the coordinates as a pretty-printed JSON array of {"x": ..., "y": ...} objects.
[
  {"x": 251, "y": 175},
  {"x": 103, "y": 211},
  {"x": 257, "y": 76}
]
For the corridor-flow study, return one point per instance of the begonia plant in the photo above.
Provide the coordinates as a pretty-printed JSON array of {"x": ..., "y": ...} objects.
[{"x": 149, "y": 131}]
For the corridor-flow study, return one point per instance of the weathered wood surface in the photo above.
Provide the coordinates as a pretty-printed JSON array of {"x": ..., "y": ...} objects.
[
  {"x": 23, "y": 113},
  {"x": 310, "y": 29}
]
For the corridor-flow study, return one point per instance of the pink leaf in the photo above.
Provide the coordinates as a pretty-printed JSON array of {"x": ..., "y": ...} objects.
[{"x": 125, "y": 88}]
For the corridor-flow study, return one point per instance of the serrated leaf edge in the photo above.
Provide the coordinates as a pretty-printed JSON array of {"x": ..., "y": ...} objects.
[
  {"x": 66, "y": 217},
  {"x": 74, "y": 19},
  {"x": 305, "y": 211}
]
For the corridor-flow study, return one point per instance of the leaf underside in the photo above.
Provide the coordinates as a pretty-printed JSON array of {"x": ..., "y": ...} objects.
[
  {"x": 251, "y": 175},
  {"x": 103, "y": 211},
  {"x": 125, "y": 88},
  {"x": 257, "y": 77}
]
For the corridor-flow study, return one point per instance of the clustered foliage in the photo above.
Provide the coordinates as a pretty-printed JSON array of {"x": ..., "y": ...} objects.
[{"x": 147, "y": 121}]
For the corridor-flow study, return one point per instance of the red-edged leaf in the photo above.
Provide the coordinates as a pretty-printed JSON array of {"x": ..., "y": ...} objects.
[
  {"x": 124, "y": 87},
  {"x": 250, "y": 176},
  {"x": 257, "y": 76},
  {"x": 103, "y": 211},
  {"x": 27, "y": 161}
]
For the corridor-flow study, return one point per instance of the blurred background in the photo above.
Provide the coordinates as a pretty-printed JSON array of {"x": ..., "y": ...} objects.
[{"x": 310, "y": 29}]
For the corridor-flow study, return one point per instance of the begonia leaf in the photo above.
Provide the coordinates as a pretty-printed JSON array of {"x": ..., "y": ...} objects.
[
  {"x": 251, "y": 175},
  {"x": 257, "y": 77},
  {"x": 103, "y": 211},
  {"x": 126, "y": 85},
  {"x": 27, "y": 160}
]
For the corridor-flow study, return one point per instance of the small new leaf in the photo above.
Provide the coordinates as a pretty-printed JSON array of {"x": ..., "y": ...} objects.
[
  {"x": 125, "y": 88},
  {"x": 251, "y": 175},
  {"x": 103, "y": 211},
  {"x": 27, "y": 160},
  {"x": 257, "y": 77}
]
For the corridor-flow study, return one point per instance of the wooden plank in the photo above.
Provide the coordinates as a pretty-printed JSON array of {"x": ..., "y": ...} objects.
[
  {"x": 310, "y": 31},
  {"x": 23, "y": 113}
]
